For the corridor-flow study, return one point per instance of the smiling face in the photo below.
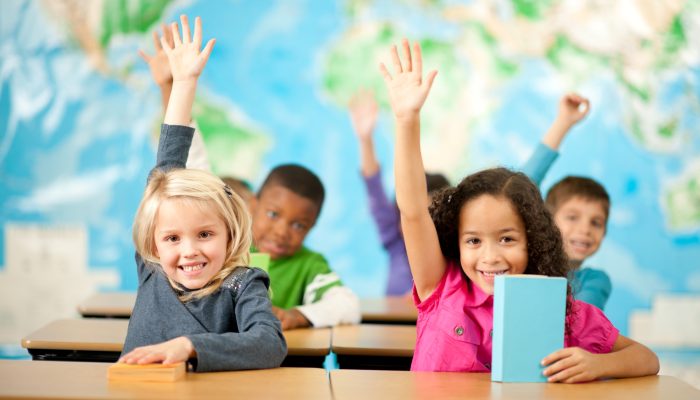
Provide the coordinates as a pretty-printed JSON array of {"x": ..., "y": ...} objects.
[
  {"x": 492, "y": 240},
  {"x": 191, "y": 241},
  {"x": 582, "y": 225},
  {"x": 281, "y": 221}
]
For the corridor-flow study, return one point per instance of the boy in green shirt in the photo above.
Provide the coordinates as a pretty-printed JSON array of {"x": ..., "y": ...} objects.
[{"x": 305, "y": 291}]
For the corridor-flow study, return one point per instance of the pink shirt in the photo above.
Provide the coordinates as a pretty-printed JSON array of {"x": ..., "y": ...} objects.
[{"x": 455, "y": 323}]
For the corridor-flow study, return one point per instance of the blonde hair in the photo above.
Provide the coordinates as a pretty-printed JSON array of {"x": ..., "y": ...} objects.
[{"x": 199, "y": 189}]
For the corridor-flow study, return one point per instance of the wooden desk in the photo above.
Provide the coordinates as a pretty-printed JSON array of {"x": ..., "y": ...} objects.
[
  {"x": 404, "y": 385},
  {"x": 102, "y": 340},
  {"x": 78, "y": 340},
  {"x": 71, "y": 380},
  {"x": 374, "y": 346},
  {"x": 389, "y": 310},
  {"x": 108, "y": 305}
]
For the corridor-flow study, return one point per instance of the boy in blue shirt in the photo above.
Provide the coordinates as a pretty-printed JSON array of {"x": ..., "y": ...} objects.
[{"x": 580, "y": 206}]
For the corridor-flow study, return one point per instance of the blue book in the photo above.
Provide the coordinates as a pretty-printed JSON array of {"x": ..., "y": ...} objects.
[{"x": 528, "y": 324}]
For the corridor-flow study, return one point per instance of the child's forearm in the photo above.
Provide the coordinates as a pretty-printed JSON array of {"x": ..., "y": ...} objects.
[
  {"x": 633, "y": 360},
  {"x": 165, "y": 90},
  {"x": 369, "y": 165},
  {"x": 555, "y": 134},
  {"x": 179, "y": 111},
  {"x": 411, "y": 188}
]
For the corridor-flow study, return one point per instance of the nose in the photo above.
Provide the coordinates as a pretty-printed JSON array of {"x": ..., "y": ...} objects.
[
  {"x": 490, "y": 253},
  {"x": 189, "y": 249},
  {"x": 280, "y": 229}
]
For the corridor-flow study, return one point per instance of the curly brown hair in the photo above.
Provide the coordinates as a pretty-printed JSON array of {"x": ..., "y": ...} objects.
[{"x": 545, "y": 251}]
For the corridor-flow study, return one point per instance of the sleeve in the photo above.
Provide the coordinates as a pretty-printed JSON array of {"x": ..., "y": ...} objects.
[
  {"x": 198, "y": 157},
  {"x": 142, "y": 270},
  {"x": 259, "y": 342},
  {"x": 539, "y": 163},
  {"x": 590, "y": 329},
  {"x": 173, "y": 146},
  {"x": 339, "y": 305},
  {"x": 594, "y": 288},
  {"x": 326, "y": 301},
  {"x": 385, "y": 214}
]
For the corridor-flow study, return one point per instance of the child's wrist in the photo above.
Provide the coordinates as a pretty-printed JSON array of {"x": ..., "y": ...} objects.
[{"x": 409, "y": 118}]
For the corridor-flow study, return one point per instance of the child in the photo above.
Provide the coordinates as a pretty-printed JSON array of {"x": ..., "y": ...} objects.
[
  {"x": 305, "y": 291},
  {"x": 195, "y": 302},
  {"x": 363, "y": 114},
  {"x": 494, "y": 222},
  {"x": 580, "y": 205}
]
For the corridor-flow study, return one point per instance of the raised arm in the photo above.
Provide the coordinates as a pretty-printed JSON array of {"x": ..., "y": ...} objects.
[
  {"x": 408, "y": 90},
  {"x": 186, "y": 64},
  {"x": 159, "y": 66},
  {"x": 572, "y": 109},
  {"x": 363, "y": 115}
]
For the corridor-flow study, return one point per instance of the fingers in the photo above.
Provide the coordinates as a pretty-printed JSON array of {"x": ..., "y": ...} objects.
[
  {"x": 185, "y": 29},
  {"x": 156, "y": 41},
  {"x": 385, "y": 73},
  {"x": 418, "y": 59},
  {"x": 407, "y": 55},
  {"x": 176, "y": 35},
  {"x": 145, "y": 56},
  {"x": 204, "y": 55},
  {"x": 396, "y": 60},
  {"x": 167, "y": 33},
  {"x": 197, "y": 40},
  {"x": 428, "y": 83},
  {"x": 557, "y": 355}
]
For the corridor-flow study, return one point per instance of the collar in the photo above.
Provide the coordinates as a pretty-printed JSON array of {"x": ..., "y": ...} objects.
[{"x": 476, "y": 297}]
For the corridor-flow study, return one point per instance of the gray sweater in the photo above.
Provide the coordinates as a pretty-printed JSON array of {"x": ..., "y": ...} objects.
[{"x": 231, "y": 329}]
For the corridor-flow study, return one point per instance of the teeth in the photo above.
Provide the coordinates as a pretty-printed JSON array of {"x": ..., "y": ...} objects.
[
  {"x": 494, "y": 273},
  {"x": 190, "y": 268}
]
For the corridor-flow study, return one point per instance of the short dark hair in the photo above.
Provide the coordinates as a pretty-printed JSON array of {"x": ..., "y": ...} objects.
[
  {"x": 299, "y": 180},
  {"x": 577, "y": 186},
  {"x": 545, "y": 250},
  {"x": 436, "y": 182}
]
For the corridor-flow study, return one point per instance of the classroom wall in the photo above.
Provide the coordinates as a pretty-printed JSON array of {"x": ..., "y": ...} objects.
[{"x": 79, "y": 117}]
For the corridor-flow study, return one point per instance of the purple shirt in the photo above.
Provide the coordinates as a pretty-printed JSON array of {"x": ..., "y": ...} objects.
[
  {"x": 386, "y": 217},
  {"x": 455, "y": 322}
]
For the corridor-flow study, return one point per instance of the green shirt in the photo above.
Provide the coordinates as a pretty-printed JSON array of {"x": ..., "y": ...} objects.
[{"x": 300, "y": 279}]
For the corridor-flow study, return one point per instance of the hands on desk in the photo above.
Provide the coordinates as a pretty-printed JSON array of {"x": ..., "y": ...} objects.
[
  {"x": 572, "y": 365},
  {"x": 171, "y": 352},
  {"x": 291, "y": 318}
]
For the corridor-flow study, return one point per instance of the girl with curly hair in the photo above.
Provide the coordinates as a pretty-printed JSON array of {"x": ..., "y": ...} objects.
[{"x": 494, "y": 222}]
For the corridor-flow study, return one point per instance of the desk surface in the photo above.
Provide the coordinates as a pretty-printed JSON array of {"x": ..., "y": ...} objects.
[
  {"x": 357, "y": 384},
  {"x": 81, "y": 380},
  {"x": 374, "y": 340},
  {"x": 109, "y": 335},
  {"x": 397, "y": 309},
  {"x": 117, "y": 304}
]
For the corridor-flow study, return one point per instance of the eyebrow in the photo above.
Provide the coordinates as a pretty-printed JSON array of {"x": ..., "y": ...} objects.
[{"x": 504, "y": 230}]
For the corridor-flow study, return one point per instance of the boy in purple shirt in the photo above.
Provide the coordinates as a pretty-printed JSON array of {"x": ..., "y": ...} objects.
[{"x": 363, "y": 114}]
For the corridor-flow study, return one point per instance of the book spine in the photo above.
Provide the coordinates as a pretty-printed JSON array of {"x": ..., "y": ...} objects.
[{"x": 498, "y": 330}]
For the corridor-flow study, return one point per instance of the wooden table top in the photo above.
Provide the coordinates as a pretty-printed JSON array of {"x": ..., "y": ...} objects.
[
  {"x": 396, "y": 309},
  {"x": 374, "y": 340},
  {"x": 82, "y": 380},
  {"x": 115, "y": 304},
  {"x": 404, "y": 385},
  {"x": 109, "y": 335}
]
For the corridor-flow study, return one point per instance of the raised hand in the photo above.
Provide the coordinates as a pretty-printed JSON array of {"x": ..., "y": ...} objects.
[
  {"x": 170, "y": 352},
  {"x": 573, "y": 108},
  {"x": 363, "y": 114},
  {"x": 186, "y": 59},
  {"x": 406, "y": 86},
  {"x": 158, "y": 63}
]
